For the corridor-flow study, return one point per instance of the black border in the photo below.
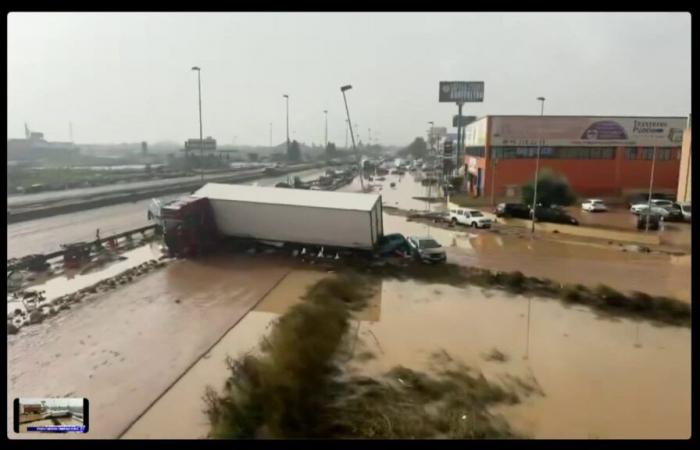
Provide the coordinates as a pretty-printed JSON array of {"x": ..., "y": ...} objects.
[{"x": 387, "y": 7}]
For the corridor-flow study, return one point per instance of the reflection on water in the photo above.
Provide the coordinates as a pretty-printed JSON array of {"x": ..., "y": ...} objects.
[
  {"x": 601, "y": 378},
  {"x": 610, "y": 379}
]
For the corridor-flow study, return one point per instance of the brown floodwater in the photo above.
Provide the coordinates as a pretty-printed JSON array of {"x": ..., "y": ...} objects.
[
  {"x": 601, "y": 378},
  {"x": 186, "y": 395},
  {"x": 123, "y": 349},
  {"x": 72, "y": 280},
  {"x": 567, "y": 261}
]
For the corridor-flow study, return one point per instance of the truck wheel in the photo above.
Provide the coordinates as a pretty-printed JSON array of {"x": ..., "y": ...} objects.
[
  {"x": 453, "y": 222},
  {"x": 474, "y": 225}
]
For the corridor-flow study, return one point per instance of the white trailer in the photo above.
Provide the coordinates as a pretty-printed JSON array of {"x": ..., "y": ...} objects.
[{"x": 324, "y": 218}]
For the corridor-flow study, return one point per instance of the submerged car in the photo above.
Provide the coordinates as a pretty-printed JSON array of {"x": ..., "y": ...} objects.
[
  {"x": 685, "y": 210},
  {"x": 427, "y": 249},
  {"x": 516, "y": 210},
  {"x": 393, "y": 244},
  {"x": 653, "y": 219},
  {"x": 554, "y": 215}
]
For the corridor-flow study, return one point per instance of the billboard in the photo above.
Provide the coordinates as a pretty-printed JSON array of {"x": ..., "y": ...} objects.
[
  {"x": 475, "y": 134},
  {"x": 461, "y": 91},
  {"x": 587, "y": 131}
]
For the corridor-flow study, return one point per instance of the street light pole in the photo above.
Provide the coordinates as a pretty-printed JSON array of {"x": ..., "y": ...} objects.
[
  {"x": 493, "y": 179},
  {"x": 201, "y": 140},
  {"x": 347, "y": 126},
  {"x": 651, "y": 184},
  {"x": 352, "y": 135},
  {"x": 325, "y": 112},
  {"x": 537, "y": 165},
  {"x": 287, "y": 99},
  {"x": 270, "y": 135}
]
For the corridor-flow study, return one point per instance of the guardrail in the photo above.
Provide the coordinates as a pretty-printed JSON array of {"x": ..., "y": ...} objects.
[{"x": 26, "y": 262}]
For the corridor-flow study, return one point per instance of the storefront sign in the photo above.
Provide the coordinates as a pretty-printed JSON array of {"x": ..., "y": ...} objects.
[{"x": 586, "y": 131}]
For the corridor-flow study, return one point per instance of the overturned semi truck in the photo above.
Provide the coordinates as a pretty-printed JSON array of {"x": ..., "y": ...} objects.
[{"x": 334, "y": 220}]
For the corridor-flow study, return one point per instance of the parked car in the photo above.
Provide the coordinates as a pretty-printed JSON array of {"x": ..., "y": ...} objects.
[
  {"x": 685, "y": 210},
  {"x": 644, "y": 198},
  {"x": 469, "y": 217},
  {"x": 427, "y": 249},
  {"x": 594, "y": 205},
  {"x": 653, "y": 219},
  {"x": 657, "y": 205},
  {"x": 516, "y": 210},
  {"x": 554, "y": 215}
]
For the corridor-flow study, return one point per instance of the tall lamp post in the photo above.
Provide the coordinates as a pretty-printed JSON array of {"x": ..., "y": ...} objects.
[
  {"x": 537, "y": 165},
  {"x": 432, "y": 135},
  {"x": 287, "y": 99},
  {"x": 325, "y": 112},
  {"x": 201, "y": 140},
  {"x": 352, "y": 135}
]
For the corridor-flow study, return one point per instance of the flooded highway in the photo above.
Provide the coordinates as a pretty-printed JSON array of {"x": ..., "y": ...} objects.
[
  {"x": 124, "y": 349},
  {"x": 610, "y": 370},
  {"x": 46, "y": 234},
  {"x": 144, "y": 350}
]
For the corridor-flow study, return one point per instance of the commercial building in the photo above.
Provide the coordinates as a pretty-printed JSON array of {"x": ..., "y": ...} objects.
[
  {"x": 599, "y": 155},
  {"x": 35, "y": 147},
  {"x": 684, "y": 185}
]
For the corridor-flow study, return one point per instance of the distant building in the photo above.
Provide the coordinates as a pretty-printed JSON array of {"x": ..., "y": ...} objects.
[
  {"x": 34, "y": 146},
  {"x": 208, "y": 145}
]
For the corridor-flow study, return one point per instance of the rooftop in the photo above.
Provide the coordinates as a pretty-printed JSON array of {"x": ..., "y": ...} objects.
[{"x": 291, "y": 197}]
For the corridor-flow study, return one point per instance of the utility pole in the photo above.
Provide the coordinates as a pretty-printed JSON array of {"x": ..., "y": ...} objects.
[
  {"x": 70, "y": 130},
  {"x": 537, "y": 166},
  {"x": 352, "y": 136},
  {"x": 347, "y": 127},
  {"x": 493, "y": 178},
  {"x": 287, "y": 98},
  {"x": 325, "y": 112},
  {"x": 201, "y": 140},
  {"x": 651, "y": 185},
  {"x": 270, "y": 135}
]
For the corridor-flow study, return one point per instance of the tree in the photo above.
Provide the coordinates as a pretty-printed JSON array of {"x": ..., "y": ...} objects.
[
  {"x": 294, "y": 152},
  {"x": 552, "y": 189},
  {"x": 417, "y": 149}
]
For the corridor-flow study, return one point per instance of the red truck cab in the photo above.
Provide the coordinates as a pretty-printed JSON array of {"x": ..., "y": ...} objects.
[{"x": 188, "y": 226}]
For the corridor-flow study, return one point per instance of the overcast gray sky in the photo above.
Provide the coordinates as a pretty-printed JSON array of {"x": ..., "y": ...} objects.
[{"x": 127, "y": 77}]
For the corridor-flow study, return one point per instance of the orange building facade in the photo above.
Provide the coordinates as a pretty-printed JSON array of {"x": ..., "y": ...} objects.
[{"x": 599, "y": 156}]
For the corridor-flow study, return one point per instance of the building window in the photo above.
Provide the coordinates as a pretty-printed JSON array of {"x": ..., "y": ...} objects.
[
  {"x": 630, "y": 153},
  {"x": 647, "y": 153},
  {"x": 478, "y": 152},
  {"x": 554, "y": 153}
]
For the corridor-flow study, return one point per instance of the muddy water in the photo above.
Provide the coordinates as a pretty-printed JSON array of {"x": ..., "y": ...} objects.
[
  {"x": 74, "y": 280},
  {"x": 601, "y": 378},
  {"x": 124, "y": 349},
  {"x": 564, "y": 261},
  {"x": 186, "y": 396}
]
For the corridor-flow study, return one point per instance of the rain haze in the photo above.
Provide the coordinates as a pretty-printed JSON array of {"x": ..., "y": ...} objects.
[{"x": 127, "y": 77}]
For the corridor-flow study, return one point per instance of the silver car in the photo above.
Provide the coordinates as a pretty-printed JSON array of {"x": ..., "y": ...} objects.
[{"x": 427, "y": 249}]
